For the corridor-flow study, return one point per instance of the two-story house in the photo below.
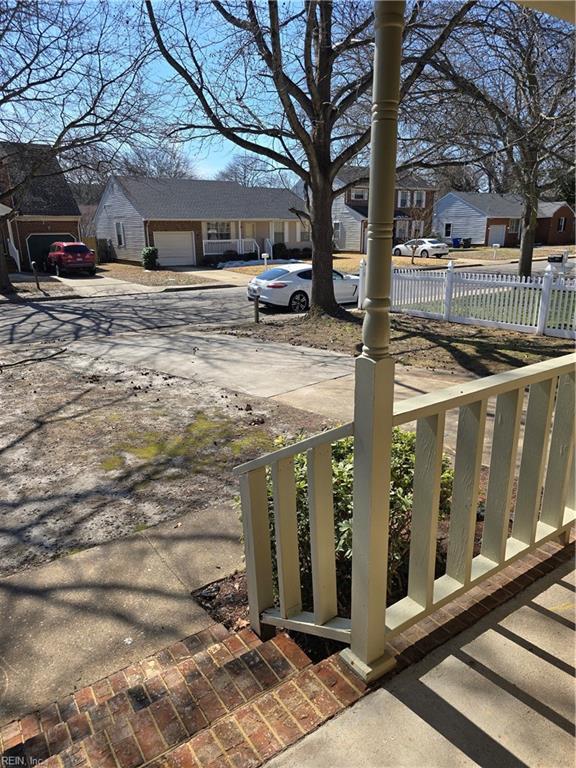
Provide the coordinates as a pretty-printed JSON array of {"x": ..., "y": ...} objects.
[
  {"x": 415, "y": 199},
  {"x": 41, "y": 209}
]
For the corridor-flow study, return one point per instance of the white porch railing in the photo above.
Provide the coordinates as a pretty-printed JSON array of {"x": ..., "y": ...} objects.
[
  {"x": 540, "y": 433},
  {"x": 241, "y": 246},
  {"x": 540, "y": 304},
  {"x": 269, "y": 247},
  {"x": 15, "y": 254}
]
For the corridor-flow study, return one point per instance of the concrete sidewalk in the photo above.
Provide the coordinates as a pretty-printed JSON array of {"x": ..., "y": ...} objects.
[
  {"x": 85, "y": 615},
  {"x": 500, "y": 694},
  {"x": 90, "y": 287}
]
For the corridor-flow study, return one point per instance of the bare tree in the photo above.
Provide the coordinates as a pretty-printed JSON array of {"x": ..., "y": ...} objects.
[
  {"x": 162, "y": 161},
  {"x": 284, "y": 81},
  {"x": 252, "y": 171},
  {"x": 70, "y": 80},
  {"x": 502, "y": 98}
]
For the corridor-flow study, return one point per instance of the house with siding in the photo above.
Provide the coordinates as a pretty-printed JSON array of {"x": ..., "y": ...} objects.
[
  {"x": 193, "y": 221},
  {"x": 41, "y": 209},
  {"x": 412, "y": 216},
  {"x": 492, "y": 219}
]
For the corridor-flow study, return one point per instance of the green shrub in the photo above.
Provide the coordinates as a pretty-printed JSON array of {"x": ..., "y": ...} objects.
[
  {"x": 279, "y": 250},
  {"x": 150, "y": 257},
  {"x": 402, "y": 478}
]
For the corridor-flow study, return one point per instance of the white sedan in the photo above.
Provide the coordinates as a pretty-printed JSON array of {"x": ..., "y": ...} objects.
[
  {"x": 423, "y": 247},
  {"x": 290, "y": 285}
]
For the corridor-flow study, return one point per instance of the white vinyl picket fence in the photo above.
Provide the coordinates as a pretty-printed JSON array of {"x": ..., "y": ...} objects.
[{"x": 541, "y": 304}]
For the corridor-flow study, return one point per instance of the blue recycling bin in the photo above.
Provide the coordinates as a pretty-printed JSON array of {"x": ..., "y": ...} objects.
[{"x": 456, "y": 242}]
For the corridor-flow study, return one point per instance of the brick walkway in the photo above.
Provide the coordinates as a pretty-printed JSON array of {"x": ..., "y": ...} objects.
[
  {"x": 219, "y": 699},
  {"x": 213, "y": 699}
]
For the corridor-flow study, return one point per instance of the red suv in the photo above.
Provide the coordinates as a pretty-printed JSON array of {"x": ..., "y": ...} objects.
[{"x": 68, "y": 257}]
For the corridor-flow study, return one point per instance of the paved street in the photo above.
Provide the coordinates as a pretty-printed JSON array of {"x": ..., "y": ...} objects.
[
  {"x": 74, "y": 319},
  {"x": 538, "y": 268}
]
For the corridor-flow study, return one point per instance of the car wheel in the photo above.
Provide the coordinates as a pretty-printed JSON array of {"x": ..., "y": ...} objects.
[
  {"x": 424, "y": 254},
  {"x": 92, "y": 271},
  {"x": 298, "y": 302},
  {"x": 397, "y": 252}
]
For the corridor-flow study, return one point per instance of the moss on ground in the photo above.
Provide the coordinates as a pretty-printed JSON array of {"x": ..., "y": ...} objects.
[{"x": 205, "y": 443}]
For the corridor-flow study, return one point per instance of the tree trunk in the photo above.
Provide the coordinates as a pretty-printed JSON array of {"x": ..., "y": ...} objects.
[
  {"x": 5, "y": 284},
  {"x": 528, "y": 231},
  {"x": 322, "y": 257}
]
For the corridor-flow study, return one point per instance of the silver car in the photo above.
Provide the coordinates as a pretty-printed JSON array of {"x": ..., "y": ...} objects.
[
  {"x": 290, "y": 285},
  {"x": 424, "y": 247}
]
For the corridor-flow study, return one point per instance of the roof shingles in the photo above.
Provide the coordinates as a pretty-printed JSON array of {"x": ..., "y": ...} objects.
[
  {"x": 505, "y": 206},
  {"x": 44, "y": 190},
  {"x": 160, "y": 199}
]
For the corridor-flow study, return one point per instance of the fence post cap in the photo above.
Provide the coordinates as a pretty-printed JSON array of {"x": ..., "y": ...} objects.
[{"x": 450, "y": 264}]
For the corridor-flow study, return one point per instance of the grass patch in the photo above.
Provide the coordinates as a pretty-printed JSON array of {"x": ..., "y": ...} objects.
[
  {"x": 205, "y": 444},
  {"x": 419, "y": 342},
  {"x": 112, "y": 463}
]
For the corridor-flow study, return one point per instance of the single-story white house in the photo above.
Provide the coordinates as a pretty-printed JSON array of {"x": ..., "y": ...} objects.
[
  {"x": 487, "y": 219},
  {"x": 194, "y": 221}
]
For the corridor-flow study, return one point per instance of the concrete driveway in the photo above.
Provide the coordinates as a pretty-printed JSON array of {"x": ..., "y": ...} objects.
[{"x": 244, "y": 365}]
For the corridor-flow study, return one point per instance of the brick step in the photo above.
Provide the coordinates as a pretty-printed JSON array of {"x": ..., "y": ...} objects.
[
  {"x": 85, "y": 710},
  {"x": 165, "y": 707},
  {"x": 271, "y": 722}
]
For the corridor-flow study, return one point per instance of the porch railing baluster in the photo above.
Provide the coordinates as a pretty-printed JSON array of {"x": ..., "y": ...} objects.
[
  {"x": 286, "y": 526},
  {"x": 469, "y": 444},
  {"x": 502, "y": 472}
]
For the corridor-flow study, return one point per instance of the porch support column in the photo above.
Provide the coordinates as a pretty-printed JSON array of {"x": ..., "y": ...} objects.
[{"x": 374, "y": 387}]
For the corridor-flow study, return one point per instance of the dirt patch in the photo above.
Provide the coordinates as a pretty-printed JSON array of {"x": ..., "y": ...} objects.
[
  {"x": 27, "y": 290},
  {"x": 91, "y": 451},
  {"x": 133, "y": 273},
  {"x": 418, "y": 342}
]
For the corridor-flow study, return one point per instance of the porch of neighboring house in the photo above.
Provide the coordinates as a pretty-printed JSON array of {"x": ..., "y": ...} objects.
[{"x": 253, "y": 238}]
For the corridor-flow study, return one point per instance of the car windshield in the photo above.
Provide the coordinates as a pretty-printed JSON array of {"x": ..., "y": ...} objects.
[
  {"x": 76, "y": 249},
  {"x": 272, "y": 274}
]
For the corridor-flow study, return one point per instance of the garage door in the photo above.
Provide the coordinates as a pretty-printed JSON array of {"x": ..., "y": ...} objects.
[
  {"x": 38, "y": 244},
  {"x": 175, "y": 249}
]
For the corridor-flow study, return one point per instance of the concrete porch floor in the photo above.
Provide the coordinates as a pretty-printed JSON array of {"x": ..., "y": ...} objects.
[{"x": 500, "y": 694}]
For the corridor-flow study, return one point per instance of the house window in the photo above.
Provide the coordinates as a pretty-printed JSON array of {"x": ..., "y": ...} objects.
[
  {"x": 447, "y": 230},
  {"x": 402, "y": 229},
  {"x": 561, "y": 226},
  {"x": 120, "y": 236},
  {"x": 514, "y": 226},
  {"x": 404, "y": 198},
  {"x": 336, "y": 231},
  {"x": 359, "y": 193},
  {"x": 419, "y": 199},
  {"x": 305, "y": 235},
  {"x": 278, "y": 231},
  {"x": 218, "y": 230},
  {"x": 417, "y": 228}
]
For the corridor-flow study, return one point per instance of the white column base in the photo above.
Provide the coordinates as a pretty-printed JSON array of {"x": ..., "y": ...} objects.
[{"x": 368, "y": 672}]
